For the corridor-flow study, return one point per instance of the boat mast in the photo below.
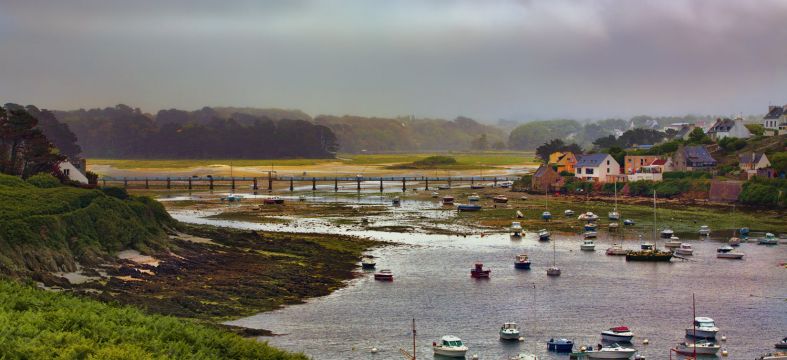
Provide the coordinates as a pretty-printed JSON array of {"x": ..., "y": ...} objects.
[
  {"x": 734, "y": 229},
  {"x": 413, "y": 338},
  {"x": 654, "y": 218},
  {"x": 554, "y": 254},
  {"x": 616, "y": 194},
  {"x": 694, "y": 323}
]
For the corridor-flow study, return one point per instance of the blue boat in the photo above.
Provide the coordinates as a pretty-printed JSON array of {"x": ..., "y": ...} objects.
[
  {"x": 467, "y": 207},
  {"x": 590, "y": 227},
  {"x": 546, "y": 215},
  {"x": 560, "y": 345},
  {"x": 744, "y": 232},
  {"x": 628, "y": 222}
]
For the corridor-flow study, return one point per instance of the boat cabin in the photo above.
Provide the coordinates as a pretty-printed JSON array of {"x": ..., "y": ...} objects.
[
  {"x": 451, "y": 341},
  {"x": 704, "y": 322}
]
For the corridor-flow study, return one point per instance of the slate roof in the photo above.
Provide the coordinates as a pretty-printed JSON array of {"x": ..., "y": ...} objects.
[
  {"x": 722, "y": 125},
  {"x": 776, "y": 112},
  {"x": 698, "y": 154},
  {"x": 592, "y": 160},
  {"x": 750, "y": 158},
  {"x": 683, "y": 131},
  {"x": 542, "y": 170}
]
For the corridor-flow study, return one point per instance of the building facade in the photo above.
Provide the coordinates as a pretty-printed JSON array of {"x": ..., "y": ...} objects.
[
  {"x": 544, "y": 178},
  {"x": 690, "y": 158},
  {"x": 597, "y": 168},
  {"x": 565, "y": 161},
  {"x": 632, "y": 163},
  {"x": 776, "y": 119},
  {"x": 728, "y": 128}
]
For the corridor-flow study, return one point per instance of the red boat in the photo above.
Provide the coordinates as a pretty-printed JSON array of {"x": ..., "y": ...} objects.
[
  {"x": 478, "y": 272},
  {"x": 273, "y": 200},
  {"x": 383, "y": 275}
]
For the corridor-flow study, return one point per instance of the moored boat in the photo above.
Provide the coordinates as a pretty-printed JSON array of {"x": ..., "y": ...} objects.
[
  {"x": 396, "y": 201},
  {"x": 614, "y": 351},
  {"x": 704, "y": 328},
  {"x": 704, "y": 230},
  {"x": 730, "y": 255},
  {"x": 673, "y": 242},
  {"x": 384, "y": 275},
  {"x": 685, "y": 249},
  {"x": 590, "y": 234},
  {"x": 450, "y": 346},
  {"x": 588, "y": 216},
  {"x": 516, "y": 228},
  {"x": 616, "y": 250},
  {"x": 448, "y": 200},
  {"x": 734, "y": 241},
  {"x": 590, "y": 226},
  {"x": 628, "y": 222},
  {"x": 509, "y": 331},
  {"x": 560, "y": 345},
  {"x": 588, "y": 245},
  {"x": 468, "y": 207},
  {"x": 781, "y": 344},
  {"x": 617, "y": 334},
  {"x": 554, "y": 270},
  {"x": 667, "y": 233},
  {"x": 569, "y": 212},
  {"x": 614, "y": 225},
  {"x": 522, "y": 261},
  {"x": 368, "y": 263},
  {"x": 500, "y": 199},
  {"x": 546, "y": 215},
  {"x": 543, "y": 235},
  {"x": 473, "y": 197},
  {"x": 768, "y": 239},
  {"x": 435, "y": 194},
  {"x": 699, "y": 348},
  {"x": 774, "y": 356},
  {"x": 478, "y": 271},
  {"x": 443, "y": 187},
  {"x": 649, "y": 255},
  {"x": 477, "y": 186},
  {"x": 613, "y": 215}
]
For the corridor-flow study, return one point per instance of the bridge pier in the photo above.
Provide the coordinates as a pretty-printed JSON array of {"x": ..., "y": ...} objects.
[
  {"x": 449, "y": 182},
  {"x": 125, "y": 182},
  {"x": 105, "y": 182},
  {"x": 169, "y": 185},
  {"x": 314, "y": 184},
  {"x": 292, "y": 187},
  {"x": 147, "y": 186},
  {"x": 210, "y": 184},
  {"x": 335, "y": 185},
  {"x": 404, "y": 185},
  {"x": 358, "y": 184},
  {"x": 189, "y": 183},
  {"x": 270, "y": 183},
  {"x": 472, "y": 182},
  {"x": 233, "y": 184},
  {"x": 254, "y": 185},
  {"x": 427, "y": 183},
  {"x": 381, "y": 185}
]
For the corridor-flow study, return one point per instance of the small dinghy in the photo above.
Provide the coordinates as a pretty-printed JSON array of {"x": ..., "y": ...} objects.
[
  {"x": 774, "y": 356},
  {"x": 613, "y": 351},
  {"x": 590, "y": 227},
  {"x": 383, "y": 275},
  {"x": 781, "y": 344},
  {"x": 569, "y": 212},
  {"x": 616, "y": 250},
  {"x": 473, "y": 197},
  {"x": 435, "y": 194},
  {"x": 516, "y": 228},
  {"x": 588, "y": 216},
  {"x": 543, "y": 235},
  {"x": 667, "y": 233},
  {"x": 685, "y": 250},
  {"x": 522, "y": 262},
  {"x": 519, "y": 215},
  {"x": 368, "y": 263},
  {"x": 590, "y": 234},
  {"x": 628, "y": 222},
  {"x": 704, "y": 230},
  {"x": 726, "y": 252},
  {"x": 769, "y": 239},
  {"x": 588, "y": 245},
  {"x": 546, "y": 215},
  {"x": 448, "y": 200}
]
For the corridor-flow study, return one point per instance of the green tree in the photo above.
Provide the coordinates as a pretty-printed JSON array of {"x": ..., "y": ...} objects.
[
  {"x": 697, "y": 136},
  {"x": 553, "y": 145}
]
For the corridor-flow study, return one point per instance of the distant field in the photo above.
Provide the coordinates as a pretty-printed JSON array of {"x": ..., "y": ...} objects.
[{"x": 464, "y": 160}]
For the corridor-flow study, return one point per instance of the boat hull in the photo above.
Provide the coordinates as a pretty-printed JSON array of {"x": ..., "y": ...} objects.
[
  {"x": 701, "y": 350},
  {"x": 636, "y": 256},
  {"x": 612, "y": 337},
  {"x": 383, "y": 277},
  {"x": 684, "y": 252},
  {"x": 617, "y": 354},
  {"x": 509, "y": 336},
  {"x": 588, "y": 247},
  {"x": 553, "y": 272},
  {"x": 469, "y": 208},
  {"x": 701, "y": 334},
  {"x": 543, "y": 237},
  {"x": 522, "y": 265},
  {"x": 560, "y": 347},
  {"x": 456, "y": 353},
  {"x": 483, "y": 274},
  {"x": 368, "y": 266},
  {"x": 733, "y": 256}
]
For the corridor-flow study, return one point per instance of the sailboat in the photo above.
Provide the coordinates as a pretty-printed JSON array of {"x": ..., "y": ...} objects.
[
  {"x": 404, "y": 352},
  {"x": 650, "y": 253},
  {"x": 546, "y": 215},
  {"x": 614, "y": 214},
  {"x": 697, "y": 347},
  {"x": 554, "y": 270}
]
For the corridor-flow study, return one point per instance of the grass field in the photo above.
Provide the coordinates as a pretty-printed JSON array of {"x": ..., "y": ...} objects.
[{"x": 465, "y": 160}]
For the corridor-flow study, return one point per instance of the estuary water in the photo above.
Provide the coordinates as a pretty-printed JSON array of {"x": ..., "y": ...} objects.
[{"x": 748, "y": 298}]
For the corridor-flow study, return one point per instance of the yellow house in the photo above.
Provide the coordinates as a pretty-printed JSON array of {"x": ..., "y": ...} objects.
[{"x": 565, "y": 161}]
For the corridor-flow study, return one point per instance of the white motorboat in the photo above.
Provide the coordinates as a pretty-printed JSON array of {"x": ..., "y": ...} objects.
[
  {"x": 701, "y": 348},
  {"x": 685, "y": 250},
  {"x": 704, "y": 328},
  {"x": 543, "y": 234},
  {"x": 616, "y": 250},
  {"x": 450, "y": 346},
  {"x": 769, "y": 239},
  {"x": 509, "y": 331},
  {"x": 569, "y": 212},
  {"x": 588, "y": 216},
  {"x": 588, "y": 245},
  {"x": 613, "y": 351},
  {"x": 613, "y": 215},
  {"x": 473, "y": 197},
  {"x": 443, "y": 187},
  {"x": 667, "y": 233},
  {"x": 614, "y": 225},
  {"x": 729, "y": 255},
  {"x": 774, "y": 356},
  {"x": 516, "y": 228},
  {"x": 617, "y": 334},
  {"x": 704, "y": 230},
  {"x": 673, "y": 242},
  {"x": 590, "y": 234}
]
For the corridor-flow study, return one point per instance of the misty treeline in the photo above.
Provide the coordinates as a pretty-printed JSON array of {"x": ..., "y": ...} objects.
[
  {"x": 358, "y": 134},
  {"x": 25, "y": 145},
  {"x": 125, "y": 132}
]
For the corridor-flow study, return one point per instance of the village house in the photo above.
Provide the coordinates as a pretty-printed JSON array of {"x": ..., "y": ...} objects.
[
  {"x": 753, "y": 164},
  {"x": 684, "y": 132},
  {"x": 632, "y": 163},
  {"x": 74, "y": 171},
  {"x": 728, "y": 128},
  {"x": 597, "y": 168},
  {"x": 776, "y": 120},
  {"x": 564, "y": 161},
  {"x": 652, "y": 172},
  {"x": 545, "y": 177},
  {"x": 690, "y": 158}
]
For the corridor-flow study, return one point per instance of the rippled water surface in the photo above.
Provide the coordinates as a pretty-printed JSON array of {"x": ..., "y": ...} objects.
[{"x": 595, "y": 292}]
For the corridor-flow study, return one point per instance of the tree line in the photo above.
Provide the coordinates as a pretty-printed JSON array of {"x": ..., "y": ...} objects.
[
  {"x": 125, "y": 132},
  {"x": 25, "y": 150}
]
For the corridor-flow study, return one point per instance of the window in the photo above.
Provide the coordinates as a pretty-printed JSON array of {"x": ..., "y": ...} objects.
[
  {"x": 608, "y": 171},
  {"x": 589, "y": 171},
  {"x": 607, "y": 162},
  {"x": 66, "y": 172},
  {"x": 579, "y": 170}
]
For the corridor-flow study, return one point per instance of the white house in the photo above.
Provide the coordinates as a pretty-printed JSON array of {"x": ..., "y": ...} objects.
[
  {"x": 72, "y": 172},
  {"x": 728, "y": 128},
  {"x": 776, "y": 119},
  {"x": 597, "y": 168}
]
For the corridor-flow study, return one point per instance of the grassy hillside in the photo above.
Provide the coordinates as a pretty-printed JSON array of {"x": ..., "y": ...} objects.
[
  {"x": 50, "y": 229},
  {"x": 44, "y": 325}
]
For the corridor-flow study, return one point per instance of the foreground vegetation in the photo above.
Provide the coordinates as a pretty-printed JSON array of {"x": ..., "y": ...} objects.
[
  {"x": 49, "y": 227},
  {"x": 44, "y": 325}
]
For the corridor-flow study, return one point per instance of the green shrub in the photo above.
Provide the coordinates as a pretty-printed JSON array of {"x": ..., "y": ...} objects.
[
  {"x": 116, "y": 192},
  {"x": 43, "y": 325},
  {"x": 435, "y": 161},
  {"x": 686, "y": 175},
  {"x": 730, "y": 144},
  {"x": 764, "y": 192},
  {"x": 44, "y": 181}
]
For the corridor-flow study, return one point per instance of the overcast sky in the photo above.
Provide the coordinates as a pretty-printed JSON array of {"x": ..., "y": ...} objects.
[{"x": 484, "y": 59}]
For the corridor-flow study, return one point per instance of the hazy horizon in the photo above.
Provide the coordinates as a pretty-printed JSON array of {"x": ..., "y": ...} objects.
[{"x": 517, "y": 60}]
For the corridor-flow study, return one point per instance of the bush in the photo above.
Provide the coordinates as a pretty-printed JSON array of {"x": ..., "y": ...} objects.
[
  {"x": 764, "y": 192},
  {"x": 115, "y": 192},
  {"x": 44, "y": 181},
  {"x": 756, "y": 129},
  {"x": 686, "y": 175},
  {"x": 565, "y": 173},
  {"x": 730, "y": 144}
]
